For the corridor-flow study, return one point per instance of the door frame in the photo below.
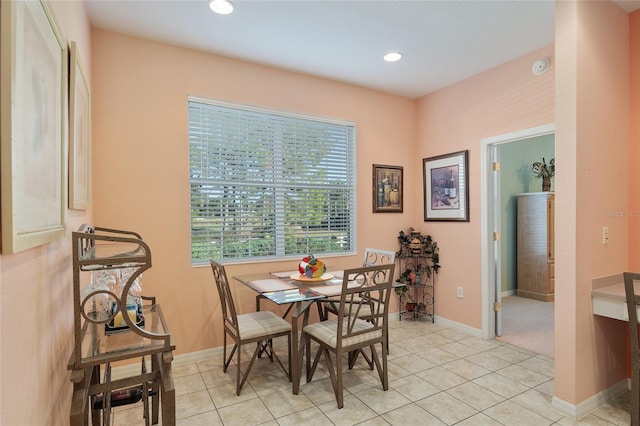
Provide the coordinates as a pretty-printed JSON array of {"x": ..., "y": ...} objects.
[{"x": 491, "y": 257}]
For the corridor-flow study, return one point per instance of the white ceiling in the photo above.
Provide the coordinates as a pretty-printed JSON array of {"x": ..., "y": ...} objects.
[{"x": 443, "y": 41}]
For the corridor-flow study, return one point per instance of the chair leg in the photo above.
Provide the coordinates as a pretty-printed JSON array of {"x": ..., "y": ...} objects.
[
  {"x": 339, "y": 385},
  {"x": 311, "y": 369},
  {"x": 385, "y": 367},
  {"x": 635, "y": 398},
  {"x": 289, "y": 357},
  {"x": 224, "y": 352},
  {"x": 245, "y": 375},
  {"x": 227, "y": 361},
  {"x": 382, "y": 369},
  {"x": 274, "y": 356},
  {"x": 335, "y": 375},
  {"x": 238, "y": 385}
]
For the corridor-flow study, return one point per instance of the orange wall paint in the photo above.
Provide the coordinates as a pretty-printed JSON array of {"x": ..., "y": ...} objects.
[
  {"x": 592, "y": 113},
  {"x": 141, "y": 169},
  {"x": 501, "y": 100},
  {"x": 634, "y": 141},
  {"x": 36, "y": 311},
  {"x": 140, "y": 174}
]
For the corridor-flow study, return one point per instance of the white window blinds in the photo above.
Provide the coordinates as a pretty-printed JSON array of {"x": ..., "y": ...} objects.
[{"x": 267, "y": 184}]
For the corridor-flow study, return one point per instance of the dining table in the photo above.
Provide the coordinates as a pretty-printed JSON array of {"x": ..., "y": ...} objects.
[{"x": 301, "y": 293}]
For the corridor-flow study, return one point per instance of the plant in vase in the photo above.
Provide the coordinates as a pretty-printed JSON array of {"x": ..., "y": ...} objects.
[
  {"x": 545, "y": 171},
  {"x": 405, "y": 297},
  {"x": 423, "y": 244}
]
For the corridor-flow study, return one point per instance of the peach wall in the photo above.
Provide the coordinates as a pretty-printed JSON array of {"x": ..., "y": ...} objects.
[
  {"x": 140, "y": 178},
  {"x": 634, "y": 140},
  {"x": 592, "y": 112},
  {"x": 36, "y": 312},
  {"x": 504, "y": 99},
  {"x": 141, "y": 169}
]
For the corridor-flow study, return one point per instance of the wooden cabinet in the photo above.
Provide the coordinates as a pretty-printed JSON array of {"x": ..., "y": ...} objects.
[
  {"x": 111, "y": 325},
  {"x": 535, "y": 253}
]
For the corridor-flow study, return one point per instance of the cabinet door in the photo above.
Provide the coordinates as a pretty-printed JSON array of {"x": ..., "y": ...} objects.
[{"x": 534, "y": 247}]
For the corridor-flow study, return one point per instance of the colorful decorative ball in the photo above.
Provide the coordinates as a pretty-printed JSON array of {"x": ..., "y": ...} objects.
[{"x": 311, "y": 267}]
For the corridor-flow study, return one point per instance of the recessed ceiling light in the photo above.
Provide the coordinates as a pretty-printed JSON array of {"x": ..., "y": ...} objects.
[
  {"x": 393, "y": 56},
  {"x": 223, "y": 7}
]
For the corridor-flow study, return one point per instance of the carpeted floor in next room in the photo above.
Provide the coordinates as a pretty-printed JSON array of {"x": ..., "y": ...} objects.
[{"x": 528, "y": 324}]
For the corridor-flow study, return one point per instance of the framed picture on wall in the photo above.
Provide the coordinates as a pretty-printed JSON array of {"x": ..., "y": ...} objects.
[
  {"x": 387, "y": 189},
  {"x": 446, "y": 187},
  {"x": 33, "y": 180},
  {"x": 79, "y": 133}
]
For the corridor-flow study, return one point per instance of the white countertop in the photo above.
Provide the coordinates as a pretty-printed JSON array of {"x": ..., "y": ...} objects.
[{"x": 608, "y": 297}]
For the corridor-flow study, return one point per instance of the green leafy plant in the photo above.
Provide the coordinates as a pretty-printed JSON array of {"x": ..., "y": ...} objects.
[{"x": 428, "y": 247}]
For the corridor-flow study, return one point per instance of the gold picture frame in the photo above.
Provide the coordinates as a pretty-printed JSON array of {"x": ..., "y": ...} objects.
[
  {"x": 33, "y": 82},
  {"x": 387, "y": 189},
  {"x": 79, "y": 133}
]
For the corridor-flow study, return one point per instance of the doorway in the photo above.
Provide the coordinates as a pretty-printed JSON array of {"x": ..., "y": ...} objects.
[{"x": 514, "y": 152}]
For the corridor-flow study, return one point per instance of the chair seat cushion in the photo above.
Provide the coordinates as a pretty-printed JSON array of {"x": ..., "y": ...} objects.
[
  {"x": 327, "y": 332},
  {"x": 262, "y": 323}
]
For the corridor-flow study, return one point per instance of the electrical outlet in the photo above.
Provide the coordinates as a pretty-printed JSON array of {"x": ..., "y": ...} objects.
[
  {"x": 460, "y": 293},
  {"x": 605, "y": 235}
]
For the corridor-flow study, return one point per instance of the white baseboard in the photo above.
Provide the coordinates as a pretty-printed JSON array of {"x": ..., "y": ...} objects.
[
  {"x": 133, "y": 369},
  {"x": 508, "y": 293},
  {"x": 476, "y": 332},
  {"x": 590, "y": 404}
]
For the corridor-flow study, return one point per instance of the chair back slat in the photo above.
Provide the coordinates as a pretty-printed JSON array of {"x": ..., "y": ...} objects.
[
  {"x": 378, "y": 257},
  {"x": 229, "y": 313},
  {"x": 369, "y": 286}
]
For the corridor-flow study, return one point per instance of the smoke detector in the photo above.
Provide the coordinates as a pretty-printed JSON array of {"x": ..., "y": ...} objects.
[{"x": 540, "y": 66}]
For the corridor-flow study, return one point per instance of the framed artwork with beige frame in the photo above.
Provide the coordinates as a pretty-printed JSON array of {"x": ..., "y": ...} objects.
[
  {"x": 79, "y": 133},
  {"x": 33, "y": 125}
]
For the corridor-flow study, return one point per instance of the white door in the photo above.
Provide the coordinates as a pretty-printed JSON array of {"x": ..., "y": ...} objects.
[
  {"x": 497, "y": 252},
  {"x": 490, "y": 217}
]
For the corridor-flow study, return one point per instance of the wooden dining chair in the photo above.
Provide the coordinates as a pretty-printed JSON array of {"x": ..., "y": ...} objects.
[
  {"x": 633, "y": 301},
  {"x": 259, "y": 328},
  {"x": 368, "y": 289}
]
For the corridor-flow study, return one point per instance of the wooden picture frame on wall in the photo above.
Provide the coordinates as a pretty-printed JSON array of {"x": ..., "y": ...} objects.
[
  {"x": 446, "y": 187},
  {"x": 33, "y": 125},
  {"x": 387, "y": 189},
  {"x": 79, "y": 133}
]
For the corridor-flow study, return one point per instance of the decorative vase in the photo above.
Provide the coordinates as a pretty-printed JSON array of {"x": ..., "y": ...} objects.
[
  {"x": 546, "y": 184},
  {"x": 416, "y": 245}
]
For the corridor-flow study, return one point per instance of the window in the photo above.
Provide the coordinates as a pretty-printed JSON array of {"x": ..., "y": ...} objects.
[{"x": 269, "y": 185}]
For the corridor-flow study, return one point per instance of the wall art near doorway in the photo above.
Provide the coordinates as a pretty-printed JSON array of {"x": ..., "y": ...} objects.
[
  {"x": 387, "y": 189},
  {"x": 446, "y": 187}
]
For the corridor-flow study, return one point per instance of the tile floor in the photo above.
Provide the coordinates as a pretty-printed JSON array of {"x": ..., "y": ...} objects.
[{"x": 437, "y": 376}]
